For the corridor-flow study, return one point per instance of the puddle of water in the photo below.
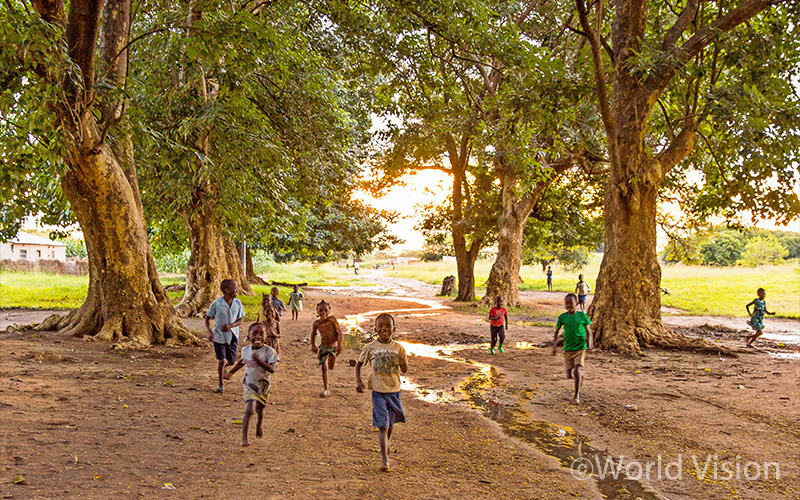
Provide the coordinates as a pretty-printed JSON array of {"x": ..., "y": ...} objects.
[
  {"x": 785, "y": 355},
  {"x": 525, "y": 345}
]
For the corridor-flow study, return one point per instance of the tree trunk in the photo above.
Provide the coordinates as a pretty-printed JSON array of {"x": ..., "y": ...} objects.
[
  {"x": 504, "y": 277},
  {"x": 213, "y": 258},
  {"x": 252, "y": 277},
  {"x": 126, "y": 303}
]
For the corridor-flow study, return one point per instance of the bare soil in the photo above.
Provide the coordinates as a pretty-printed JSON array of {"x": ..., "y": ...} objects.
[{"x": 80, "y": 420}]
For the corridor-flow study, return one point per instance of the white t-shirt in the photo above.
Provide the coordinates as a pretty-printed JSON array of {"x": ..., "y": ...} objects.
[{"x": 254, "y": 373}]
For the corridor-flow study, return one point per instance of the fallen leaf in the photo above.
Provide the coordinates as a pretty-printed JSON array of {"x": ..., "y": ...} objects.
[{"x": 20, "y": 480}]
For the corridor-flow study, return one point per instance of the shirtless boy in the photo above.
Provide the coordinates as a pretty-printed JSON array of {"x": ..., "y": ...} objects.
[{"x": 330, "y": 344}]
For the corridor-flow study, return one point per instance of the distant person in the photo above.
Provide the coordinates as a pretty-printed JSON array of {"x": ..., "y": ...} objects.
[
  {"x": 296, "y": 302},
  {"x": 276, "y": 302},
  {"x": 227, "y": 313},
  {"x": 497, "y": 329},
  {"x": 268, "y": 318},
  {"x": 549, "y": 279},
  {"x": 259, "y": 361},
  {"x": 330, "y": 342},
  {"x": 576, "y": 331},
  {"x": 388, "y": 360},
  {"x": 355, "y": 267},
  {"x": 582, "y": 289},
  {"x": 756, "y": 320}
]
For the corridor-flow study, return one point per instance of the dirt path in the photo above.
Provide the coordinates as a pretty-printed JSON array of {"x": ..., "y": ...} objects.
[{"x": 125, "y": 424}]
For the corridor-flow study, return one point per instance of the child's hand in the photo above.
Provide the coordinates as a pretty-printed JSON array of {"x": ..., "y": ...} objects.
[
  {"x": 314, "y": 348},
  {"x": 227, "y": 376},
  {"x": 210, "y": 337},
  {"x": 771, "y": 314},
  {"x": 360, "y": 387},
  {"x": 338, "y": 349},
  {"x": 226, "y": 328}
]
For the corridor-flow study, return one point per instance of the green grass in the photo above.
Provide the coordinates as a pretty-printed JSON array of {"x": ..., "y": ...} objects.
[
  {"x": 698, "y": 290},
  {"x": 41, "y": 290}
]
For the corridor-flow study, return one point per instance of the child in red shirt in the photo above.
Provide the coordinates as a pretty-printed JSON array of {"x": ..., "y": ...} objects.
[{"x": 498, "y": 324}]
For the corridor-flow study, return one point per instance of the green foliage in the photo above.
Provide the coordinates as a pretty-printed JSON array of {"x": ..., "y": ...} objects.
[
  {"x": 763, "y": 250},
  {"x": 724, "y": 250},
  {"x": 75, "y": 248},
  {"x": 172, "y": 263}
]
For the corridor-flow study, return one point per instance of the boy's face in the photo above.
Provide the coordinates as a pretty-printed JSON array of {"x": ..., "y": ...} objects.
[
  {"x": 294, "y": 288},
  {"x": 274, "y": 292},
  {"x": 256, "y": 336},
  {"x": 580, "y": 277},
  {"x": 323, "y": 311},
  {"x": 570, "y": 303},
  {"x": 498, "y": 302},
  {"x": 231, "y": 291},
  {"x": 384, "y": 327},
  {"x": 264, "y": 300},
  {"x": 762, "y": 294}
]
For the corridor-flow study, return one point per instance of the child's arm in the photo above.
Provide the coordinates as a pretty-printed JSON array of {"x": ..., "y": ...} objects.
[
  {"x": 339, "y": 336},
  {"x": 555, "y": 337},
  {"x": 748, "y": 307},
  {"x": 589, "y": 339},
  {"x": 235, "y": 368},
  {"x": 403, "y": 363},
  {"x": 506, "y": 315},
  {"x": 765, "y": 310},
  {"x": 208, "y": 328},
  {"x": 314, "y": 347},
  {"x": 236, "y": 323},
  {"x": 359, "y": 383}
]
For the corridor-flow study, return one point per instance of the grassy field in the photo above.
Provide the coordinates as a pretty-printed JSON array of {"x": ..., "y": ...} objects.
[{"x": 698, "y": 290}]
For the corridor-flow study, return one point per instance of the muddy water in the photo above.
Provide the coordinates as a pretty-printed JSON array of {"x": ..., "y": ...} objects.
[{"x": 562, "y": 443}]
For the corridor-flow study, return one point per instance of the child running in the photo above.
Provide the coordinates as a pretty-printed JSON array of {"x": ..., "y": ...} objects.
[
  {"x": 497, "y": 316},
  {"x": 227, "y": 312},
  {"x": 271, "y": 323},
  {"x": 388, "y": 360},
  {"x": 295, "y": 302},
  {"x": 330, "y": 342},
  {"x": 582, "y": 289},
  {"x": 576, "y": 331},
  {"x": 756, "y": 320},
  {"x": 259, "y": 361}
]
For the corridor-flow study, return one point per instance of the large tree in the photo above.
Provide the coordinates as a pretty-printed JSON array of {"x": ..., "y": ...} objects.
[
  {"x": 64, "y": 74},
  {"x": 665, "y": 74}
]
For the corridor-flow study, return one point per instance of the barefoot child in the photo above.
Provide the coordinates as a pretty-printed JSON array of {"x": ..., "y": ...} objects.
[
  {"x": 276, "y": 302},
  {"x": 549, "y": 279},
  {"x": 259, "y": 361},
  {"x": 388, "y": 360},
  {"x": 756, "y": 320},
  {"x": 576, "y": 330},
  {"x": 269, "y": 320},
  {"x": 295, "y": 302},
  {"x": 330, "y": 344},
  {"x": 227, "y": 312},
  {"x": 582, "y": 289},
  {"x": 498, "y": 315}
]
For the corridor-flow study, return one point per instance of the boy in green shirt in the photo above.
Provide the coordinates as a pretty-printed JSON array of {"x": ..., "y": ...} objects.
[{"x": 576, "y": 331}]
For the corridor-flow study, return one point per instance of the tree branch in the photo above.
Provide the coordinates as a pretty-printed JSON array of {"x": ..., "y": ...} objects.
[
  {"x": 684, "y": 20},
  {"x": 600, "y": 83},
  {"x": 679, "y": 148}
]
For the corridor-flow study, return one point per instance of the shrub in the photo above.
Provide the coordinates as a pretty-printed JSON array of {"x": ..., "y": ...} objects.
[
  {"x": 76, "y": 248},
  {"x": 763, "y": 250},
  {"x": 725, "y": 250},
  {"x": 173, "y": 263}
]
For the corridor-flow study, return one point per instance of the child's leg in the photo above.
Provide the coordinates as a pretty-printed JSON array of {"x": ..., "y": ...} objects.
[
  {"x": 501, "y": 336},
  {"x": 325, "y": 392},
  {"x": 383, "y": 441},
  {"x": 220, "y": 371},
  {"x": 493, "y": 335},
  {"x": 248, "y": 412},
  {"x": 577, "y": 373},
  {"x": 260, "y": 415},
  {"x": 752, "y": 338}
]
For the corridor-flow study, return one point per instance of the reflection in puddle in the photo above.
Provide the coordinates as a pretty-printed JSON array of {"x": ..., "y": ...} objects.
[{"x": 560, "y": 442}]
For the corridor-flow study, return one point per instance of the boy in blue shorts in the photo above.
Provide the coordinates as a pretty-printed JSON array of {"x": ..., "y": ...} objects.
[
  {"x": 227, "y": 313},
  {"x": 576, "y": 330},
  {"x": 582, "y": 289},
  {"x": 387, "y": 359}
]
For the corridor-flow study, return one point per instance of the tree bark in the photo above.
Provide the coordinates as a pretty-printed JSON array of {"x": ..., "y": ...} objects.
[
  {"x": 126, "y": 303},
  {"x": 213, "y": 258},
  {"x": 252, "y": 277},
  {"x": 504, "y": 277}
]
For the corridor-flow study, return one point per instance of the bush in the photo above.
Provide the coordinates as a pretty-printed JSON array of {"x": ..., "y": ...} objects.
[
  {"x": 173, "y": 263},
  {"x": 763, "y": 250},
  {"x": 262, "y": 261},
  {"x": 725, "y": 250},
  {"x": 790, "y": 241},
  {"x": 76, "y": 248}
]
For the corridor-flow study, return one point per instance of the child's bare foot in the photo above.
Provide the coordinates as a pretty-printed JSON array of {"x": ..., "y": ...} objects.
[
  {"x": 385, "y": 467},
  {"x": 325, "y": 394},
  {"x": 576, "y": 400},
  {"x": 245, "y": 443},
  {"x": 259, "y": 432}
]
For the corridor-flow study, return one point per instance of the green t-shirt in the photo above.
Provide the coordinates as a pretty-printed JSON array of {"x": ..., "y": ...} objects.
[{"x": 574, "y": 330}]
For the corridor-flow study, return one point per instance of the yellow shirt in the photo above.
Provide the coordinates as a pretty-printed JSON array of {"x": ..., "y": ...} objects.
[{"x": 385, "y": 361}]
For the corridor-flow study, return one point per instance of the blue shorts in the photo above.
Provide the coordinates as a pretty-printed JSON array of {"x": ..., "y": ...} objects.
[
  {"x": 226, "y": 351},
  {"x": 387, "y": 409},
  {"x": 581, "y": 299}
]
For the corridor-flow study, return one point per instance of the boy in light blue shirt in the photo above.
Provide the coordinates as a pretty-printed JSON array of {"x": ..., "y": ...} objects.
[{"x": 227, "y": 312}]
